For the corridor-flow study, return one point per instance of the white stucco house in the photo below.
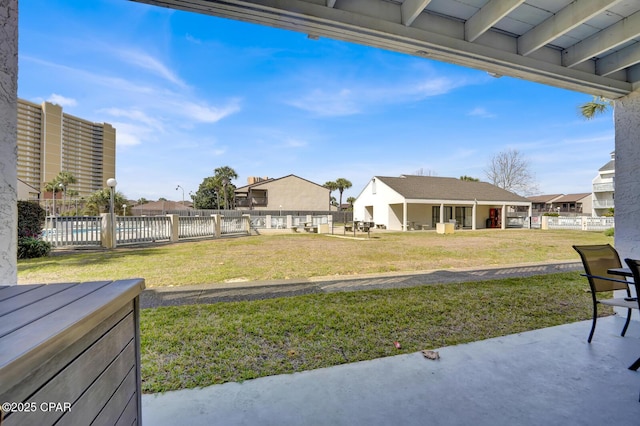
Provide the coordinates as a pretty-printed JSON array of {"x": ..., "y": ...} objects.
[{"x": 420, "y": 202}]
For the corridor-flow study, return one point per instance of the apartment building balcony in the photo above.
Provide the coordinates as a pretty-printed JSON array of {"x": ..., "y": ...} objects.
[
  {"x": 603, "y": 187},
  {"x": 252, "y": 202},
  {"x": 603, "y": 204}
]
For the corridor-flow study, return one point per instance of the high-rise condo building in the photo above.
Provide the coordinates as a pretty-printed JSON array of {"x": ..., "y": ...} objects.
[{"x": 50, "y": 142}]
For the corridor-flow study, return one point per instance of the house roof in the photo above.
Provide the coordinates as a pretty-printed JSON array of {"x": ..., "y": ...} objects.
[
  {"x": 162, "y": 205},
  {"x": 572, "y": 198},
  {"x": 446, "y": 188},
  {"x": 611, "y": 165},
  {"x": 544, "y": 198},
  {"x": 267, "y": 181}
]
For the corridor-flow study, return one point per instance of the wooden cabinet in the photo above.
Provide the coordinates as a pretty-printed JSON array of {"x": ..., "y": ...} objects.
[{"x": 70, "y": 353}]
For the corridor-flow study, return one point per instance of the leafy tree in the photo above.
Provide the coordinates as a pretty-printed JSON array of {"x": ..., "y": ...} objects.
[
  {"x": 207, "y": 196},
  {"x": 598, "y": 105},
  {"x": 99, "y": 201},
  {"x": 162, "y": 199},
  {"x": 469, "y": 178},
  {"x": 510, "y": 170},
  {"x": 331, "y": 186},
  {"x": 342, "y": 184},
  {"x": 224, "y": 175},
  {"x": 142, "y": 200}
]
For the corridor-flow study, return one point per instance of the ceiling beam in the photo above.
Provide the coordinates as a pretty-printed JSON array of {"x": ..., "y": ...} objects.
[
  {"x": 410, "y": 10},
  {"x": 488, "y": 16},
  {"x": 313, "y": 18},
  {"x": 607, "y": 39},
  {"x": 561, "y": 23},
  {"x": 618, "y": 60}
]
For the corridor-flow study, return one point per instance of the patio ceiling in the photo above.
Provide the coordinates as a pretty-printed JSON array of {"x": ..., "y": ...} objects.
[{"x": 591, "y": 46}]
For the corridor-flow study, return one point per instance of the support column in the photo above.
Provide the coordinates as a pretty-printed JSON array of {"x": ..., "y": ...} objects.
[
  {"x": 442, "y": 213},
  {"x": 474, "y": 216},
  {"x": 8, "y": 142},
  {"x": 503, "y": 217},
  {"x": 404, "y": 216},
  {"x": 627, "y": 180}
]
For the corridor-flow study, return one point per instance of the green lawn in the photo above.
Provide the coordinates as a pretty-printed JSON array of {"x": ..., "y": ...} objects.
[
  {"x": 302, "y": 256},
  {"x": 191, "y": 346}
]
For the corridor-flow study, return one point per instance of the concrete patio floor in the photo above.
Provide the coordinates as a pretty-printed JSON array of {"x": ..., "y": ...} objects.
[{"x": 544, "y": 377}]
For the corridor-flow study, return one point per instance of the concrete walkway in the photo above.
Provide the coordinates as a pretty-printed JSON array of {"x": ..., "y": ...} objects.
[
  {"x": 234, "y": 291},
  {"x": 544, "y": 377}
]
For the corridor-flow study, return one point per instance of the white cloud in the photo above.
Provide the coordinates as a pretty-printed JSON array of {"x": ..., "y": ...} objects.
[
  {"x": 295, "y": 143},
  {"x": 192, "y": 39},
  {"x": 145, "y": 61},
  {"x": 134, "y": 115},
  {"x": 481, "y": 112},
  {"x": 61, "y": 100},
  {"x": 328, "y": 103},
  {"x": 208, "y": 114}
]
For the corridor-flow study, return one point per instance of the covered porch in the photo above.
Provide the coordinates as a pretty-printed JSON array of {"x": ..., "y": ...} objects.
[{"x": 426, "y": 214}]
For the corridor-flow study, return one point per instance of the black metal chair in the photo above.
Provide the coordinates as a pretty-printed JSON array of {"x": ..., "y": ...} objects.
[{"x": 597, "y": 259}]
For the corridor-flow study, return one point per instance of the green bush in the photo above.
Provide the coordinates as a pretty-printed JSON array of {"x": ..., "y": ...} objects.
[
  {"x": 30, "y": 222},
  {"x": 30, "y": 219},
  {"x": 609, "y": 232},
  {"x": 29, "y": 248},
  {"x": 551, "y": 214}
]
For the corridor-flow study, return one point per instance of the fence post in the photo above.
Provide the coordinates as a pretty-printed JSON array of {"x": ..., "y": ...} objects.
[
  {"x": 267, "y": 221},
  {"x": 289, "y": 221},
  {"x": 247, "y": 223},
  {"x": 545, "y": 222},
  {"x": 108, "y": 238},
  {"x": 175, "y": 227},
  {"x": 217, "y": 225}
]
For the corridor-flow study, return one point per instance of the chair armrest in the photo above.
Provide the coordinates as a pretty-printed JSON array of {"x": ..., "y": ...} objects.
[{"x": 615, "y": 280}]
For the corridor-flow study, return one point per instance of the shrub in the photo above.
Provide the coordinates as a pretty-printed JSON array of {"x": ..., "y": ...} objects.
[
  {"x": 551, "y": 214},
  {"x": 29, "y": 248},
  {"x": 30, "y": 221},
  {"x": 609, "y": 232}
]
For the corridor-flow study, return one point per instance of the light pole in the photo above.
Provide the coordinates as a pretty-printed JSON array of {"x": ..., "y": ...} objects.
[
  {"x": 124, "y": 210},
  {"x": 111, "y": 183},
  {"x": 182, "y": 193}
]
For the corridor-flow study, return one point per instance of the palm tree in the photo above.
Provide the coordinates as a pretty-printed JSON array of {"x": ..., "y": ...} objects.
[
  {"x": 351, "y": 200},
  {"x": 598, "y": 105},
  {"x": 342, "y": 184},
  {"x": 65, "y": 179},
  {"x": 331, "y": 186},
  {"x": 225, "y": 175}
]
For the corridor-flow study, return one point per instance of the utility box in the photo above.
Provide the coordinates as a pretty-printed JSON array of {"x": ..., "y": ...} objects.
[{"x": 445, "y": 228}]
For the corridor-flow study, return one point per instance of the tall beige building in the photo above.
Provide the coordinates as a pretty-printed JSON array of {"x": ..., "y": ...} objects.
[{"x": 50, "y": 142}]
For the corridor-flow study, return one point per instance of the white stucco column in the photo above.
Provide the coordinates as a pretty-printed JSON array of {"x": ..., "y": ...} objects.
[
  {"x": 474, "y": 216},
  {"x": 404, "y": 216},
  {"x": 442, "y": 213},
  {"x": 8, "y": 141},
  {"x": 627, "y": 181},
  {"x": 503, "y": 217}
]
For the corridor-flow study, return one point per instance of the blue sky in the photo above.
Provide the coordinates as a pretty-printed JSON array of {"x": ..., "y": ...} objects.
[{"x": 188, "y": 93}]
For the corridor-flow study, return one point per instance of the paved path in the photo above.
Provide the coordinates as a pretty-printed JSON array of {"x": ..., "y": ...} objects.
[{"x": 256, "y": 290}]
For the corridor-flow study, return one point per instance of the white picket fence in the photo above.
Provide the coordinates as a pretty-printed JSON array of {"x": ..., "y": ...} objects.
[{"x": 67, "y": 231}]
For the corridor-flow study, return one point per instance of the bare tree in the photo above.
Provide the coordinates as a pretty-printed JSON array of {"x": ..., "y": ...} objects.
[{"x": 510, "y": 170}]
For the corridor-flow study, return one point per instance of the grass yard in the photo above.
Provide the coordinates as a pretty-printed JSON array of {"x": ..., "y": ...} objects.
[
  {"x": 191, "y": 346},
  {"x": 307, "y": 255}
]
